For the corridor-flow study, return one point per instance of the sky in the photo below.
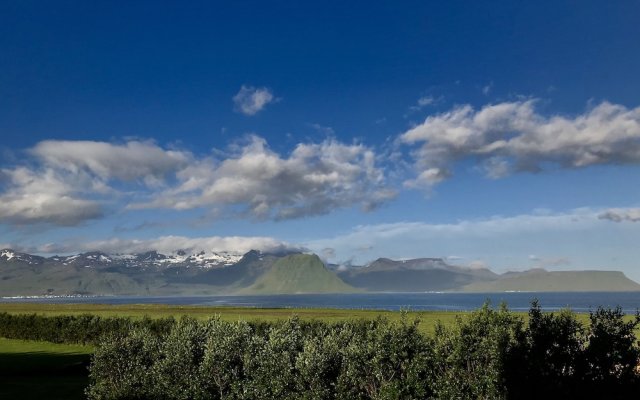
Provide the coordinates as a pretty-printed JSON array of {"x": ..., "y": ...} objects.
[{"x": 502, "y": 135}]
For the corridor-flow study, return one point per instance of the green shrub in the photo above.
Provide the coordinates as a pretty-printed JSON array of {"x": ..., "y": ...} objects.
[
  {"x": 470, "y": 358},
  {"x": 488, "y": 354},
  {"x": 121, "y": 367}
]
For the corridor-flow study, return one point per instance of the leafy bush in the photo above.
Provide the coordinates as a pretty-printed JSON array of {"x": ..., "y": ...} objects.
[
  {"x": 121, "y": 366},
  {"x": 489, "y": 354},
  {"x": 472, "y": 357},
  {"x": 288, "y": 360},
  {"x": 610, "y": 361},
  {"x": 75, "y": 329}
]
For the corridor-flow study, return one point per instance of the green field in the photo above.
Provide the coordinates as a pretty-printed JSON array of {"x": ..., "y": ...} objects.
[
  {"x": 30, "y": 370},
  {"x": 37, "y": 370},
  {"x": 428, "y": 319},
  {"x": 40, "y": 370}
]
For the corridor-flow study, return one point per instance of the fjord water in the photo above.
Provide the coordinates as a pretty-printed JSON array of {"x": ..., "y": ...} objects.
[{"x": 517, "y": 301}]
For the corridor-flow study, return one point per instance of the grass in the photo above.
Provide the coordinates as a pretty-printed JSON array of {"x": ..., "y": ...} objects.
[
  {"x": 41, "y": 370},
  {"x": 428, "y": 318},
  {"x": 36, "y": 370}
]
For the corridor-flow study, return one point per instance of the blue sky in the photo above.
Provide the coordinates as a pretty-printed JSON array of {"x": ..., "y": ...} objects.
[{"x": 505, "y": 135}]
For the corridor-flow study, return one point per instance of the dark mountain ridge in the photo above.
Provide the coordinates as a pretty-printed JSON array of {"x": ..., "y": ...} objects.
[
  {"x": 209, "y": 273},
  {"x": 415, "y": 275}
]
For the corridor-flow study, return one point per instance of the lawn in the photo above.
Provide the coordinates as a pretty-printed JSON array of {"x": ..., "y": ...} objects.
[{"x": 40, "y": 370}]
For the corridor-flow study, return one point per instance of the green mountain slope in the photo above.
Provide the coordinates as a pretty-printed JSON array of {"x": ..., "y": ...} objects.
[
  {"x": 557, "y": 281},
  {"x": 262, "y": 273},
  {"x": 21, "y": 279},
  {"x": 298, "y": 273}
]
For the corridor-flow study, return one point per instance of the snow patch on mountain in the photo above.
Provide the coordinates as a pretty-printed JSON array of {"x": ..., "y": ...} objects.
[{"x": 7, "y": 254}]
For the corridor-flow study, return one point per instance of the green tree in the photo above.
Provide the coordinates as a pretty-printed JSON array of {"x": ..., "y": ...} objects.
[
  {"x": 471, "y": 357},
  {"x": 612, "y": 356}
]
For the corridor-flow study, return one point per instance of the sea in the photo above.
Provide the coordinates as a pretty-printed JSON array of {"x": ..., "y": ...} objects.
[{"x": 581, "y": 302}]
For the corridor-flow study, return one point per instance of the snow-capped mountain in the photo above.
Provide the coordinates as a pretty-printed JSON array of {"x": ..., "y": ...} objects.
[
  {"x": 15, "y": 256},
  {"x": 96, "y": 259},
  {"x": 201, "y": 259},
  {"x": 207, "y": 273}
]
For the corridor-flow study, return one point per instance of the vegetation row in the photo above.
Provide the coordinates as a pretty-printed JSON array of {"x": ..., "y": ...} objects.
[
  {"x": 489, "y": 354},
  {"x": 76, "y": 329}
]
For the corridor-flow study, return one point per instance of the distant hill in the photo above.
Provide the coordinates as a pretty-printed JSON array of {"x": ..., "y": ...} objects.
[
  {"x": 540, "y": 280},
  {"x": 299, "y": 273},
  {"x": 416, "y": 275},
  {"x": 211, "y": 273}
]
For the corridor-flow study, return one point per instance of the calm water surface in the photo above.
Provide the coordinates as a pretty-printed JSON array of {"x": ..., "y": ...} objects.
[{"x": 519, "y": 301}]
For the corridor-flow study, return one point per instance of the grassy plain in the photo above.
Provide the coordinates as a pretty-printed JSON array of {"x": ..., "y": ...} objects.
[
  {"x": 41, "y": 370},
  {"x": 428, "y": 319},
  {"x": 36, "y": 370}
]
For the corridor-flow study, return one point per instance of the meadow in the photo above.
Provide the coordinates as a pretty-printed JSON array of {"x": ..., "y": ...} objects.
[
  {"x": 30, "y": 369},
  {"x": 36, "y": 370},
  {"x": 42, "y": 370},
  {"x": 428, "y": 319}
]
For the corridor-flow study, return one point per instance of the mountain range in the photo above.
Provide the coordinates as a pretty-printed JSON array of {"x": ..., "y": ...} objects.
[{"x": 208, "y": 273}]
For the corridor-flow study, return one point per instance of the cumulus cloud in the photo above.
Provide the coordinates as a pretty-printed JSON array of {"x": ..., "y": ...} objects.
[
  {"x": 314, "y": 179},
  {"x": 512, "y": 136},
  {"x": 250, "y": 100},
  {"x": 129, "y": 161},
  {"x": 45, "y": 196},
  {"x": 171, "y": 244},
  {"x": 68, "y": 182},
  {"x": 621, "y": 214}
]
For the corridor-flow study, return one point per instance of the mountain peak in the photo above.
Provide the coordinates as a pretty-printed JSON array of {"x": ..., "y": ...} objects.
[
  {"x": 10, "y": 255},
  {"x": 299, "y": 273},
  {"x": 7, "y": 254}
]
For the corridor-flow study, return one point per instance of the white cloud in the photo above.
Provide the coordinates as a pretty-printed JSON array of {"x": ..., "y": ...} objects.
[
  {"x": 171, "y": 244},
  {"x": 45, "y": 196},
  {"x": 250, "y": 100},
  {"x": 486, "y": 89},
  {"x": 508, "y": 137},
  {"x": 129, "y": 161},
  {"x": 423, "y": 102},
  {"x": 315, "y": 179},
  {"x": 428, "y": 178},
  {"x": 69, "y": 182},
  {"x": 621, "y": 214},
  {"x": 485, "y": 239},
  {"x": 325, "y": 130},
  {"x": 488, "y": 226},
  {"x": 327, "y": 253}
]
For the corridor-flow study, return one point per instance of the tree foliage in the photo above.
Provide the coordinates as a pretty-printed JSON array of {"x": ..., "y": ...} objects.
[{"x": 487, "y": 354}]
